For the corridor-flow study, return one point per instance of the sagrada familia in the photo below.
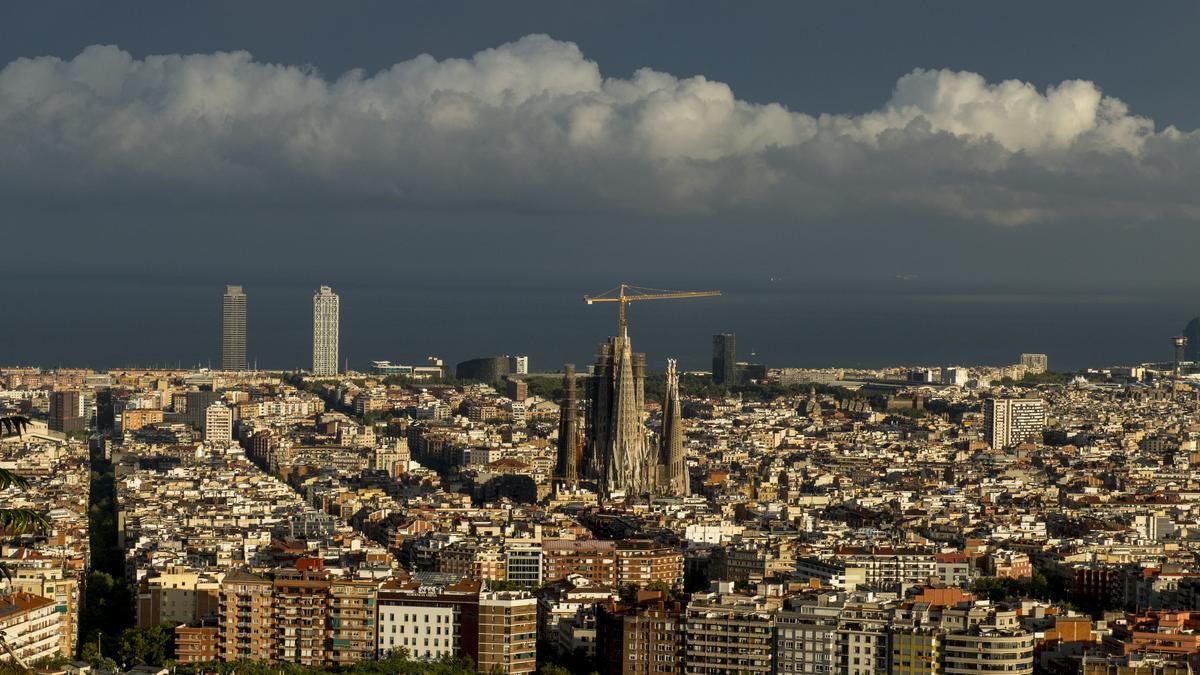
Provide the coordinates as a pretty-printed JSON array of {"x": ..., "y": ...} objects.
[{"x": 610, "y": 444}]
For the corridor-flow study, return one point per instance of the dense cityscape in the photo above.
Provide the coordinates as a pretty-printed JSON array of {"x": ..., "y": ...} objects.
[
  {"x": 306, "y": 367},
  {"x": 619, "y": 517}
]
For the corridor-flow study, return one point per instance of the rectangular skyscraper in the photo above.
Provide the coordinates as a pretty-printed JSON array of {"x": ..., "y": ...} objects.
[
  {"x": 1009, "y": 421},
  {"x": 233, "y": 329},
  {"x": 1035, "y": 363},
  {"x": 66, "y": 412},
  {"x": 325, "y": 332},
  {"x": 724, "y": 368}
]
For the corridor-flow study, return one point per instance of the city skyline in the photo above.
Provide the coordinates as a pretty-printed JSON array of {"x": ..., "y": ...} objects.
[
  {"x": 931, "y": 407},
  {"x": 279, "y": 311}
]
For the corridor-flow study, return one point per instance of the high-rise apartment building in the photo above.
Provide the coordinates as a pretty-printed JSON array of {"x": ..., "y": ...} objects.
[
  {"x": 325, "y": 332},
  {"x": 66, "y": 411},
  {"x": 806, "y": 638},
  {"x": 729, "y": 633},
  {"x": 507, "y": 632},
  {"x": 233, "y": 329},
  {"x": 641, "y": 639},
  {"x": 1035, "y": 363},
  {"x": 218, "y": 423},
  {"x": 246, "y": 618},
  {"x": 1009, "y": 421},
  {"x": 724, "y": 368},
  {"x": 303, "y": 617}
]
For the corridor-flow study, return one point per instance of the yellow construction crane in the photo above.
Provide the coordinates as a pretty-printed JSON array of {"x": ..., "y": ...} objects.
[{"x": 627, "y": 293}]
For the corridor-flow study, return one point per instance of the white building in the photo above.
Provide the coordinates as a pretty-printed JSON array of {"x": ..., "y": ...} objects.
[
  {"x": 426, "y": 632},
  {"x": 518, "y": 365},
  {"x": 955, "y": 375},
  {"x": 1009, "y": 421},
  {"x": 31, "y": 625},
  {"x": 218, "y": 423},
  {"x": 325, "y": 332}
]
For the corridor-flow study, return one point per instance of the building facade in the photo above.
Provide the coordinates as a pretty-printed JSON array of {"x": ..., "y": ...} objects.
[
  {"x": 727, "y": 633},
  {"x": 31, "y": 625},
  {"x": 724, "y": 368},
  {"x": 66, "y": 411},
  {"x": 233, "y": 329},
  {"x": 218, "y": 423},
  {"x": 619, "y": 454},
  {"x": 326, "y": 312},
  {"x": 428, "y": 622},
  {"x": 645, "y": 638},
  {"x": 507, "y": 632},
  {"x": 1010, "y": 421}
]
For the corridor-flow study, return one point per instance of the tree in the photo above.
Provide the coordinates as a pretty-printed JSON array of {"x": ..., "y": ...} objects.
[
  {"x": 663, "y": 587},
  {"x": 91, "y": 652},
  {"x": 146, "y": 646},
  {"x": 16, "y": 521}
]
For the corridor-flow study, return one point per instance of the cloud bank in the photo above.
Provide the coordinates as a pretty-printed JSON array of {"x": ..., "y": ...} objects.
[{"x": 534, "y": 125}]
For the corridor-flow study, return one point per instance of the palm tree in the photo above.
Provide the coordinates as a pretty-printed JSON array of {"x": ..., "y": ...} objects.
[{"x": 15, "y": 521}]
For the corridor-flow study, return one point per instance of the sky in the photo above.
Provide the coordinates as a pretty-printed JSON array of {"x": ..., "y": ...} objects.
[{"x": 988, "y": 147}]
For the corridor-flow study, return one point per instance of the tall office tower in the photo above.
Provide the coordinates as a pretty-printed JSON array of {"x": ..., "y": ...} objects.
[
  {"x": 672, "y": 472},
  {"x": 724, "y": 368},
  {"x": 1035, "y": 363},
  {"x": 325, "y": 332},
  {"x": 620, "y": 458},
  {"x": 66, "y": 412},
  {"x": 233, "y": 329},
  {"x": 1009, "y": 421},
  {"x": 568, "y": 465}
]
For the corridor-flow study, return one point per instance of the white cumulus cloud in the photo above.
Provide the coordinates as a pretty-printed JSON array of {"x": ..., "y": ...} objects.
[{"x": 534, "y": 124}]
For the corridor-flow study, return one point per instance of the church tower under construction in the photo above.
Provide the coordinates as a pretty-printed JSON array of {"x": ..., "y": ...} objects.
[
  {"x": 619, "y": 454},
  {"x": 568, "y": 431},
  {"x": 672, "y": 471}
]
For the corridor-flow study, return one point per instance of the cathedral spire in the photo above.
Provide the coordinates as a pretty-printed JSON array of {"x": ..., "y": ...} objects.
[
  {"x": 673, "y": 476},
  {"x": 568, "y": 470},
  {"x": 616, "y": 431}
]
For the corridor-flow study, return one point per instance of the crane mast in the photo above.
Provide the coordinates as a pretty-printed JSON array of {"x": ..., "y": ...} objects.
[{"x": 627, "y": 293}]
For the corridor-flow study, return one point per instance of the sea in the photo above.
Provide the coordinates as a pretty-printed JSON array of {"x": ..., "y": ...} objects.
[{"x": 107, "y": 321}]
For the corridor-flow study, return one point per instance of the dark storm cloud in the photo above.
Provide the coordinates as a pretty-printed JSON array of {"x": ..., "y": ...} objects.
[{"x": 534, "y": 124}]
